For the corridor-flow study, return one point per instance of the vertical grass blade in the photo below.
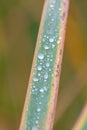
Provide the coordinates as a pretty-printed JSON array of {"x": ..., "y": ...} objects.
[
  {"x": 81, "y": 123},
  {"x": 40, "y": 103}
]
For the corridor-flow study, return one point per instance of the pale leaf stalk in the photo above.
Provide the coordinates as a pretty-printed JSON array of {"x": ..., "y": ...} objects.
[{"x": 41, "y": 98}]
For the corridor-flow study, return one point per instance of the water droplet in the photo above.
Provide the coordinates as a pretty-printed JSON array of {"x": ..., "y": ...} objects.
[
  {"x": 53, "y": 45},
  {"x": 35, "y": 79},
  {"x": 46, "y": 47},
  {"x": 42, "y": 96},
  {"x": 44, "y": 35},
  {"x": 49, "y": 69},
  {"x": 49, "y": 14},
  {"x": 48, "y": 56},
  {"x": 54, "y": 2},
  {"x": 33, "y": 86},
  {"x": 43, "y": 39},
  {"x": 38, "y": 109},
  {"x": 34, "y": 128},
  {"x": 40, "y": 103},
  {"x": 45, "y": 88},
  {"x": 32, "y": 90},
  {"x": 36, "y": 121},
  {"x": 51, "y": 40},
  {"x": 46, "y": 76},
  {"x": 51, "y": 5},
  {"x": 41, "y": 56},
  {"x": 47, "y": 64},
  {"x": 42, "y": 90},
  {"x": 39, "y": 67},
  {"x": 60, "y": 9},
  {"x": 52, "y": 19},
  {"x": 37, "y": 117},
  {"x": 39, "y": 74}
]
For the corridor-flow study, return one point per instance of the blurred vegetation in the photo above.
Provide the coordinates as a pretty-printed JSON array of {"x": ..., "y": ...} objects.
[{"x": 19, "y": 22}]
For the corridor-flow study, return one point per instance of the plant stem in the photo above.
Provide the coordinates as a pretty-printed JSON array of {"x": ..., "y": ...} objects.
[{"x": 41, "y": 98}]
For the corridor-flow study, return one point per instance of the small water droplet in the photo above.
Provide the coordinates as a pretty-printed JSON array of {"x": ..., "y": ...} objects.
[
  {"x": 41, "y": 56},
  {"x": 46, "y": 76},
  {"x": 35, "y": 79},
  {"x": 60, "y": 9},
  {"x": 40, "y": 103},
  {"x": 52, "y": 19},
  {"x": 36, "y": 121},
  {"x": 49, "y": 14},
  {"x": 46, "y": 47},
  {"x": 51, "y": 39},
  {"x": 51, "y": 5},
  {"x": 49, "y": 69},
  {"x": 44, "y": 35},
  {"x": 45, "y": 88},
  {"x": 37, "y": 117},
  {"x": 51, "y": 59},
  {"x": 48, "y": 56},
  {"x": 53, "y": 1},
  {"x": 34, "y": 128},
  {"x": 38, "y": 109},
  {"x": 39, "y": 67},
  {"x": 47, "y": 64},
  {"x": 32, "y": 90},
  {"x": 33, "y": 86},
  {"x": 39, "y": 74},
  {"x": 43, "y": 39},
  {"x": 53, "y": 45},
  {"x": 42, "y": 90}
]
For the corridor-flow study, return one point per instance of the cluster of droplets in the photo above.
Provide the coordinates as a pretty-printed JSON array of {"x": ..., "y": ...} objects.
[{"x": 42, "y": 76}]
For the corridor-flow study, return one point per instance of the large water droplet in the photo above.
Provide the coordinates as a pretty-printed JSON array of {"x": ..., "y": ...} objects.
[{"x": 41, "y": 56}]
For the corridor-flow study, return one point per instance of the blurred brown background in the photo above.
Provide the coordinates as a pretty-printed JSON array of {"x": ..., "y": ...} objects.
[{"x": 19, "y": 22}]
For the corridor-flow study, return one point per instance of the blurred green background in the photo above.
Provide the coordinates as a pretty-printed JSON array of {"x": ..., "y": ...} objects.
[{"x": 19, "y": 23}]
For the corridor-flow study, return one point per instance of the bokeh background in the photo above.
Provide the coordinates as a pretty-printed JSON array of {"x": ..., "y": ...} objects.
[{"x": 19, "y": 23}]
